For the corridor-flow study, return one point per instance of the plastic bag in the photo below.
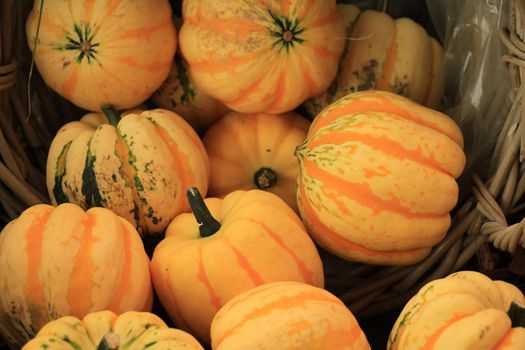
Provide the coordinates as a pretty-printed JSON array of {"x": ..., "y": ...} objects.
[{"x": 477, "y": 85}]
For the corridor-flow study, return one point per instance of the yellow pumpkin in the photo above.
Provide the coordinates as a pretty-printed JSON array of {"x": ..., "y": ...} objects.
[
  {"x": 95, "y": 53},
  {"x": 262, "y": 56},
  {"x": 255, "y": 151},
  {"x": 286, "y": 316},
  {"x": 57, "y": 261},
  {"x": 383, "y": 53},
  {"x": 179, "y": 94},
  {"x": 465, "y": 310},
  {"x": 138, "y": 166},
  {"x": 231, "y": 245},
  {"x": 104, "y": 330},
  {"x": 377, "y": 178}
]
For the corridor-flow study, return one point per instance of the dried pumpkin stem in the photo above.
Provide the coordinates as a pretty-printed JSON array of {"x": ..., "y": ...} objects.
[
  {"x": 112, "y": 114},
  {"x": 207, "y": 223},
  {"x": 110, "y": 341},
  {"x": 265, "y": 178},
  {"x": 517, "y": 314}
]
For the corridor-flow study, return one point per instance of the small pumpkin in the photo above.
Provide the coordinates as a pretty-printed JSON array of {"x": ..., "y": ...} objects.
[
  {"x": 138, "y": 166},
  {"x": 57, "y": 261},
  {"x": 226, "y": 247},
  {"x": 179, "y": 94},
  {"x": 104, "y": 330},
  {"x": 105, "y": 52},
  {"x": 395, "y": 55},
  {"x": 377, "y": 178},
  {"x": 286, "y": 316},
  {"x": 255, "y": 151},
  {"x": 262, "y": 56},
  {"x": 465, "y": 310}
]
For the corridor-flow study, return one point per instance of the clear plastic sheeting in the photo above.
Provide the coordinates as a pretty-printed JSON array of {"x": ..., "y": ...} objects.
[{"x": 477, "y": 85}]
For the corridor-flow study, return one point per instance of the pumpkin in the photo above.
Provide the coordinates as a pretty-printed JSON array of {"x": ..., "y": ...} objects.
[
  {"x": 385, "y": 54},
  {"x": 104, "y": 330},
  {"x": 262, "y": 56},
  {"x": 57, "y": 261},
  {"x": 138, "y": 166},
  {"x": 179, "y": 94},
  {"x": 95, "y": 53},
  {"x": 377, "y": 178},
  {"x": 465, "y": 310},
  {"x": 286, "y": 316},
  {"x": 228, "y": 246},
  {"x": 255, "y": 151}
]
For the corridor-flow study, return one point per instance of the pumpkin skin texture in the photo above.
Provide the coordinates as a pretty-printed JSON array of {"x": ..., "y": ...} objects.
[
  {"x": 139, "y": 168},
  {"x": 465, "y": 310},
  {"x": 255, "y": 151},
  {"x": 259, "y": 240},
  {"x": 286, "y": 316},
  {"x": 137, "y": 330},
  {"x": 96, "y": 53},
  {"x": 262, "y": 56},
  {"x": 57, "y": 261},
  {"x": 377, "y": 178},
  {"x": 389, "y": 55},
  {"x": 179, "y": 94}
]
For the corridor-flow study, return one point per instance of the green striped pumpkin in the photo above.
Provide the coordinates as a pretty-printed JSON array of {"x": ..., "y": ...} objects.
[{"x": 138, "y": 166}]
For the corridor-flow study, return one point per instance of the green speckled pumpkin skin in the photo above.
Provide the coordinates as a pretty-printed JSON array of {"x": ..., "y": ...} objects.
[
  {"x": 138, "y": 169},
  {"x": 132, "y": 330}
]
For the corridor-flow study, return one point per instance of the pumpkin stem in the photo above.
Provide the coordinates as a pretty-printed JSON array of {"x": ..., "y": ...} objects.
[
  {"x": 517, "y": 314},
  {"x": 382, "y": 5},
  {"x": 110, "y": 341},
  {"x": 265, "y": 178},
  {"x": 207, "y": 223},
  {"x": 112, "y": 114}
]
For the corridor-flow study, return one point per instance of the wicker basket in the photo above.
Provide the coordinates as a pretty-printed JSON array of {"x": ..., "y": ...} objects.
[{"x": 490, "y": 217}]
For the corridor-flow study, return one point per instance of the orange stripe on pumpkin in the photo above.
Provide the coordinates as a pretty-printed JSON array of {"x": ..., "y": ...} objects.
[
  {"x": 311, "y": 84},
  {"x": 108, "y": 11},
  {"x": 306, "y": 9},
  {"x": 328, "y": 19},
  {"x": 149, "y": 67},
  {"x": 283, "y": 303},
  {"x": 432, "y": 339},
  {"x": 506, "y": 341},
  {"x": 70, "y": 85},
  {"x": 306, "y": 274},
  {"x": 245, "y": 93},
  {"x": 328, "y": 235},
  {"x": 380, "y": 104},
  {"x": 388, "y": 65},
  {"x": 285, "y": 6},
  {"x": 279, "y": 91},
  {"x": 88, "y": 10},
  {"x": 203, "y": 277},
  {"x": 361, "y": 193},
  {"x": 245, "y": 265},
  {"x": 33, "y": 287},
  {"x": 125, "y": 277},
  {"x": 321, "y": 51},
  {"x": 78, "y": 293},
  {"x": 212, "y": 65},
  {"x": 144, "y": 32},
  {"x": 389, "y": 147}
]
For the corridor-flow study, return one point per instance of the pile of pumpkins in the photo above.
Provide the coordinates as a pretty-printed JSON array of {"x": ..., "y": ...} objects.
[{"x": 282, "y": 126}]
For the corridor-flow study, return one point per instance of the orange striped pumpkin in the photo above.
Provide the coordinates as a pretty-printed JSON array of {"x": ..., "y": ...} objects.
[
  {"x": 387, "y": 54},
  {"x": 57, "y": 261},
  {"x": 465, "y": 310},
  {"x": 104, "y": 330},
  {"x": 377, "y": 178},
  {"x": 246, "y": 239},
  {"x": 102, "y": 52},
  {"x": 286, "y": 316},
  {"x": 255, "y": 151},
  {"x": 262, "y": 56},
  {"x": 138, "y": 166}
]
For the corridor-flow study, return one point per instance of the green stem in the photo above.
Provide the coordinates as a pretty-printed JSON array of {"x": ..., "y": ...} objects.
[
  {"x": 207, "y": 223},
  {"x": 265, "y": 178},
  {"x": 382, "y": 5},
  {"x": 517, "y": 314},
  {"x": 112, "y": 114},
  {"x": 110, "y": 341}
]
